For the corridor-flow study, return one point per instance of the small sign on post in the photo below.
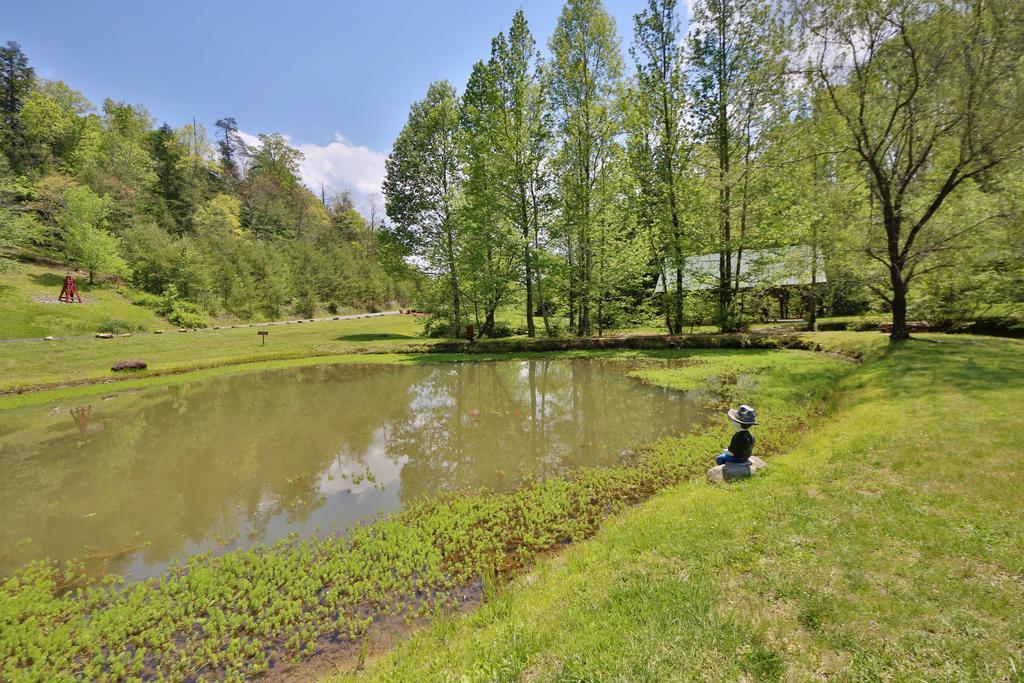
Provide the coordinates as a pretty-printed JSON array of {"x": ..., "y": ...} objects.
[{"x": 263, "y": 335}]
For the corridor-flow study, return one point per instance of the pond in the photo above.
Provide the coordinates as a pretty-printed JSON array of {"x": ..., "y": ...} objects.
[{"x": 138, "y": 480}]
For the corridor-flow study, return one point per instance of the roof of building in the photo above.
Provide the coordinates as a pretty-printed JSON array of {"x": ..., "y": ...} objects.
[{"x": 777, "y": 267}]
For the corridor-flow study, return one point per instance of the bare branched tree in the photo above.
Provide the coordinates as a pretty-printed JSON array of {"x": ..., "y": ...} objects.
[{"x": 931, "y": 95}]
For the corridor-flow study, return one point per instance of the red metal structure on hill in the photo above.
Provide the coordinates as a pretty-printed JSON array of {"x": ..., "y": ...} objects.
[{"x": 69, "y": 292}]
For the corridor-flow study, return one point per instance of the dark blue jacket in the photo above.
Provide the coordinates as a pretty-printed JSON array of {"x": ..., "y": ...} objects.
[{"x": 742, "y": 444}]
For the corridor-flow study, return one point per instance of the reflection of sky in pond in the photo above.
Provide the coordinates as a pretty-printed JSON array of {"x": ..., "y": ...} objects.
[{"x": 141, "y": 479}]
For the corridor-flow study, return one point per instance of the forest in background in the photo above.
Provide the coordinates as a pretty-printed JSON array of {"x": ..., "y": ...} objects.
[
  {"x": 882, "y": 137},
  {"x": 190, "y": 224}
]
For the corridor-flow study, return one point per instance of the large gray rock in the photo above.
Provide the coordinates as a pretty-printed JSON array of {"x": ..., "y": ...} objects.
[
  {"x": 129, "y": 365},
  {"x": 732, "y": 470}
]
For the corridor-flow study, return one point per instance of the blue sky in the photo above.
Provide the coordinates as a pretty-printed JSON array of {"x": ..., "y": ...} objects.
[{"x": 336, "y": 77}]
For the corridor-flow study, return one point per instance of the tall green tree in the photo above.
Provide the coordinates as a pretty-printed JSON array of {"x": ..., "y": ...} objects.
[
  {"x": 88, "y": 245},
  {"x": 490, "y": 244},
  {"x": 17, "y": 79},
  {"x": 421, "y": 188},
  {"x": 231, "y": 150},
  {"x": 735, "y": 67},
  {"x": 931, "y": 95},
  {"x": 520, "y": 129},
  {"x": 124, "y": 168},
  {"x": 661, "y": 103},
  {"x": 276, "y": 204},
  {"x": 54, "y": 124},
  {"x": 620, "y": 251},
  {"x": 275, "y": 158},
  {"x": 173, "y": 177},
  {"x": 585, "y": 85}
]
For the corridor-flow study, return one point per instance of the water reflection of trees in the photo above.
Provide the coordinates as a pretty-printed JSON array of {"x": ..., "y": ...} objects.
[
  {"x": 495, "y": 424},
  {"x": 182, "y": 466}
]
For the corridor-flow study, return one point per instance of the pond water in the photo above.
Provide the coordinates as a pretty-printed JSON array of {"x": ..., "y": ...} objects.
[{"x": 137, "y": 480}]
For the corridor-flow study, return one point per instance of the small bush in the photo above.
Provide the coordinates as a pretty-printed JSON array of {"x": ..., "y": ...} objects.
[
  {"x": 832, "y": 326},
  {"x": 996, "y": 326},
  {"x": 865, "y": 326},
  {"x": 556, "y": 327},
  {"x": 117, "y": 326},
  {"x": 332, "y": 308},
  {"x": 502, "y": 330},
  {"x": 186, "y": 314},
  {"x": 305, "y": 304},
  {"x": 436, "y": 327},
  {"x": 151, "y": 301},
  {"x": 734, "y": 321},
  {"x": 1005, "y": 326}
]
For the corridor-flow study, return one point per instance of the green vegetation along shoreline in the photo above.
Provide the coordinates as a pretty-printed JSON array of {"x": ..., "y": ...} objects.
[
  {"x": 888, "y": 544},
  {"x": 247, "y": 611}
]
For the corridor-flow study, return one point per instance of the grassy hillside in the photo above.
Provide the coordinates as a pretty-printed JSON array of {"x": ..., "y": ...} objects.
[
  {"x": 21, "y": 316},
  {"x": 889, "y": 545}
]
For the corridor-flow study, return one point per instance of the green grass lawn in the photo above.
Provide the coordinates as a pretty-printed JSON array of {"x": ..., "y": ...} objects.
[
  {"x": 886, "y": 544},
  {"x": 23, "y": 317}
]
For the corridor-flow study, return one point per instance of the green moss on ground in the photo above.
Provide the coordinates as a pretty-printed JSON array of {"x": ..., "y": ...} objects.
[
  {"x": 886, "y": 545},
  {"x": 236, "y": 614}
]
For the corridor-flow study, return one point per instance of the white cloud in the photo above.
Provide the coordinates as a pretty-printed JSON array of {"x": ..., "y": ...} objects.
[
  {"x": 340, "y": 165},
  {"x": 249, "y": 138},
  {"x": 343, "y": 166}
]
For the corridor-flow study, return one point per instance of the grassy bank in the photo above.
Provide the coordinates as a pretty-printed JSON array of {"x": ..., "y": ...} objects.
[
  {"x": 23, "y": 316},
  {"x": 34, "y": 365},
  {"x": 887, "y": 545},
  {"x": 248, "y": 611},
  {"x": 195, "y": 373}
]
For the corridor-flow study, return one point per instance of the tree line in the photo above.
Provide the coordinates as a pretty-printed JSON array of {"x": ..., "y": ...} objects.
[
  {"x": 885, "y": 136},
  {"x": 195, "y": 225}
]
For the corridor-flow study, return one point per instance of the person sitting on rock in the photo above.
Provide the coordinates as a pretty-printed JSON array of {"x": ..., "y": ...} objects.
[{"x": 742, "y": 444}]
